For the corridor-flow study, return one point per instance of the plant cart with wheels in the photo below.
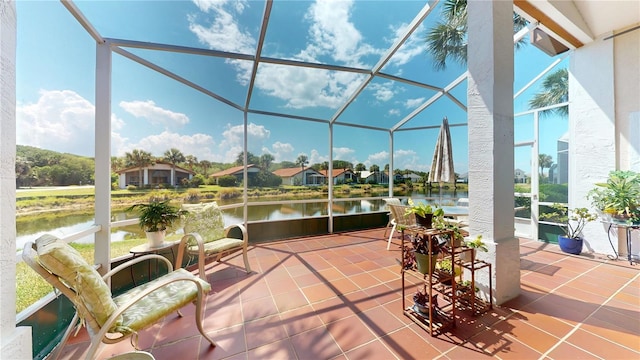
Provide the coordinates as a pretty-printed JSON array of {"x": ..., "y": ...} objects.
[{"x": 439, "y": 314}]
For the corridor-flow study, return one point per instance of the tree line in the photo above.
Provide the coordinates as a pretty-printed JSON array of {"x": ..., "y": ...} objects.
[{"x": 40, "y": 167}]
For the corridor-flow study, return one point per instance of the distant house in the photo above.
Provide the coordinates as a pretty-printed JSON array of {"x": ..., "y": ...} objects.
[
  {"x": 340, "y": 176},
  {"x": 237, "y": 171},
  {"x": 519, "y": 176},
  {"x": 375, "y": 176},
  {"x": 296, "y": 176},
  {"x": 415, "y": 178},
  {"x": 161, "y": 173}
]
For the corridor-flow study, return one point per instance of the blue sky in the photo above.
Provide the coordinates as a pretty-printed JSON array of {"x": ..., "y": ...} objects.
[{"x": 56, "y": 81}]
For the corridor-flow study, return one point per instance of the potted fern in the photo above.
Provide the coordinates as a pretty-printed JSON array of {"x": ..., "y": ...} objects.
[{"x": 155, "y": 217}]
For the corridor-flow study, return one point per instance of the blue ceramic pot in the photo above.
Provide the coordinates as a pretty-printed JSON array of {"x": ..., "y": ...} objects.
[{"x": 569, "y": 245}]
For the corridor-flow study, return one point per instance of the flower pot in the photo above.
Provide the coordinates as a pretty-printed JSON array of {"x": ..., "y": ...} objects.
[
  {"x": 425, "y": 221},
  {"x": 155, "y": 238},
  {"x": 570, "y": 245},
  {"x": 426, "y": 263}
]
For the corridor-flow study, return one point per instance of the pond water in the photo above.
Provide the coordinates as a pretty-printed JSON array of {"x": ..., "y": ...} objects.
[{"x": 63, "y": 223}]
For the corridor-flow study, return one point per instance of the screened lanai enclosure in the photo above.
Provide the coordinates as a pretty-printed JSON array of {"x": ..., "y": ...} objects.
[
  {"x": 314, "y": 82},
  {"x": 323, "y": 80}
]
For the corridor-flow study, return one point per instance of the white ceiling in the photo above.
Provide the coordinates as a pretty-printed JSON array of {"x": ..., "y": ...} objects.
[{"x": 588, "y": 20}]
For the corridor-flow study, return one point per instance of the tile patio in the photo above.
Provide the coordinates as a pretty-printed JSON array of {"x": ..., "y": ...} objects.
[{"x": 338, "y": 297}]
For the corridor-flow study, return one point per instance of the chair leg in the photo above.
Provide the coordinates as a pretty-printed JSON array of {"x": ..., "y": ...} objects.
[
  {"x": 246, "y": 261},
  {"x": 393, "y": 230},
  {"x": 199, "y": 315},
  {"x": 387, "y": 228}
]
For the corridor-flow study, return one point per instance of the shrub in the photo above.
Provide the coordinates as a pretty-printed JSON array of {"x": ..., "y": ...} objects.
[
  {"x": 192, "y": 196},
  {"x": 197, "y": 180},
  {"x": 132, "y": 187},
  {"x": 229, "y": 194},
  {"x": 227, "y": 181},
  {"x": 159, "y": 196}
]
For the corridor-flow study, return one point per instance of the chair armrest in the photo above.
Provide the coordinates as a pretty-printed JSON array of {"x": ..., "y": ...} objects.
[
  {"x": 184, "y": 244},
  {"x": 245, "y": 238},
  {"x": 135, "y": 261}
]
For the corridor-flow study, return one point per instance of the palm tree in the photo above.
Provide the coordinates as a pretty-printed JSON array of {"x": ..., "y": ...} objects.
[
  {"x": 266, "y": 160},
  {"x": 174, "y": 156},
  {"x": 555, "y": 90},
  {"x": 447, "y": 40},
  {"x": 301, "y": 161},
  {"x": 544, "y": 161},
  {"x": 205, "y": 165},
  {"x": 191, "y": 161},
  {"x": 140, "y": 159}
]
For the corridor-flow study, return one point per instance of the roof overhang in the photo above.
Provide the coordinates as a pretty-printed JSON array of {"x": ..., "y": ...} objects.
[{"x": 576, "y": 23}]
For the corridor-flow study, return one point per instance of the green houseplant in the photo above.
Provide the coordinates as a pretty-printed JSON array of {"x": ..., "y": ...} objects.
[
  {"x": 572, "y": 222},
  {"x": 476, "y": 244},
  {"x": 155, "y": 217},
  {"x": 619, "y": 196},
  {"x": 423, "y": 212}
]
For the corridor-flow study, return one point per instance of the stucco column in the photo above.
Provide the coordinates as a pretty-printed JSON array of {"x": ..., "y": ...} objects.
[
  {"x": 15, "y": 341},
  {"x": 490, "y": 118}
]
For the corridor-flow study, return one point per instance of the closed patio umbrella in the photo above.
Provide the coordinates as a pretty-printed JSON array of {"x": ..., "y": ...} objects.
[{"x": 442, "y": 163}]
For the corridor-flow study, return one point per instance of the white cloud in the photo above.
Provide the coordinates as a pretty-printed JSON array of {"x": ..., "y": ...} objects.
[
  {"x": 383, "y": 92},
  {"x": 413, "y": 103},
  {"x": 333, "y": 33},
  {"x": 222, "y": 32},
  {"x": 333, "y": 37},
  {"x": 343, "y": 153},
  {"x": 411, "y": 48},
  {"x": 232, "y": 143},
  {"x": 280, "y": 151},
  {"x": 303, "y": 88},
  {"x": 199, "y": 145},
  {"x": 61, "y": 120},
  {"x": 408, "y": 159},
  {"x": 393, "y": 112},
  {"x": 380, "y": 158},
  {"x": 316, "y": 158},
  {"x": 153, "y": 113}
]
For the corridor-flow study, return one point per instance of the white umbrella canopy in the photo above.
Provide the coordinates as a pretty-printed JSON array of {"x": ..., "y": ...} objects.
[{"x": 442, "y": 163}]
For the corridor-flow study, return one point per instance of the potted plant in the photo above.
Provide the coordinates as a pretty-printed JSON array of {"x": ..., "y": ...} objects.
[
  {"x": 421, "y": 302},
  {"x": 463, "y": 289},
  {"x": 475, "y": 245},
  {"x": 619, "y": 197},
  {"x": 425, "y": 252},
  {"x": 440, "y": 223},
  {"x": 423, "y": 212},
  {"x": 446, "y": 271},
  {"x": 155, "y": 217},
  {"x": 571, "y": 224}
]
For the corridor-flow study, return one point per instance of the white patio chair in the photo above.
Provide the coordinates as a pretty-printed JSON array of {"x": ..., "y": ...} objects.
[{"x": 400, "y": 218}]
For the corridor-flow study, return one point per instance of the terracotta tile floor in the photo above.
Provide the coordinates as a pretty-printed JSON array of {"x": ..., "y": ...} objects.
[{"x": 338, "y": 297}]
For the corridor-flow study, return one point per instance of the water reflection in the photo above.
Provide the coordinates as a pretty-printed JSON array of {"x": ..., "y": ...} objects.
[{"x": 66, "y": 223}]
